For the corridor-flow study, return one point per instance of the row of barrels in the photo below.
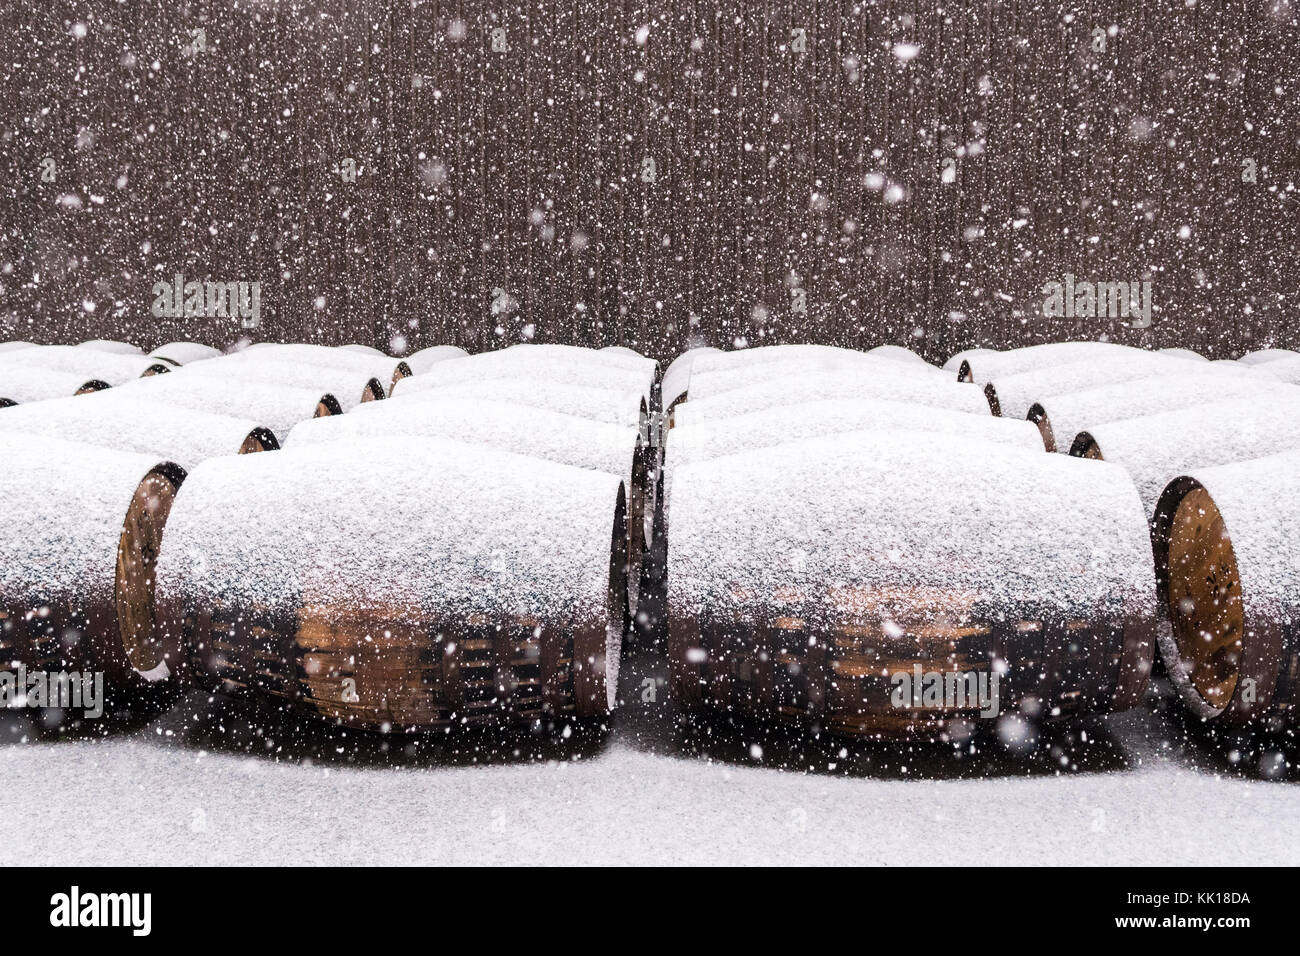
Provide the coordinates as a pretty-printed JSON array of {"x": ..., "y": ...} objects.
[
  {"x": 461, "y": 547},
  {"x": 843, "y": 524},
  {"x": 469, "y": 549}
]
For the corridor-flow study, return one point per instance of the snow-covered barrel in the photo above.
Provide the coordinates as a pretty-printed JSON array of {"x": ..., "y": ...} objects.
[
  {"x": 982, "y": 365},
  {"x": 388, "y": 371},
  {"x": 351, "y": 387},
  {"x": 785, "y": 423},
  {"x": 363, "y": 350},
  {"x": 184, "y": 353},
  {"x": 19, "y": 384},
  {"x": 400, "y": 583},
  {"x": 1061, "y": 417},
  {"x": 113, "y": 420},
  {"x": 932, "y": 391},
  {"x": 277, "y": 407},
  {"x": 110, "y": 367},
  {"x": 1181, "y": 353},
  {"x": 613, "y": 406},
  {"x": 1228, "y": 560},
  {"x": 1155, "y": 449},
  {"x": 423, "y": 360},
  {"x": 77, "y": 568},
  {"x": 613, "y": 449},
  {"x": 873, "y": 583},
  {"x": 1013, "y": 395}
]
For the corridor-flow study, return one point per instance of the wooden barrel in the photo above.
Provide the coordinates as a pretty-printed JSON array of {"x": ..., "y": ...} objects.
[
  {"x": 615, "y": 407},
  {"x": 825, "y": 581},
  {"x": 926, "y": 390},
  {"x": 110, "y": 367},
  {"x": 546, "y": 363},
  {"x": 184, "y": 353},
  {"x": 111, "y": 419},
  {"x": 423, "y": 360},
  {"x": 77, "y": 573},
  {"x": 787, "y": 423},
  {"x": 1154, "y": 449},
  {"x": 349, "y": 387},
  {"x": 982, "y": 365},
  {"x": 1013, "y": 395},
  {"x": 381, "y": 367},
  {"x": 426, "y": 583},
  {"x": 20, "y": 384},
  {"x": 617, "y": 450},
  {"x": 1228, "y": 563},
  {"x": 277, "y": 407},
  {"x": 1061, "y": 417}
]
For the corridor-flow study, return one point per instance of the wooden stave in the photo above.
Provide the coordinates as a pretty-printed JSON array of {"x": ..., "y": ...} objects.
[{"x": 1054, "y": 670}]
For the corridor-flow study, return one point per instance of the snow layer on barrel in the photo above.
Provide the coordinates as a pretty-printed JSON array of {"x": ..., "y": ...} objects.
[
  {"x": 278, "y": 407},
  {"x": 885, "y": 511},
  {"x": 542, "y": 366},
  {"x": 1074, "y": 412},
  {"x": 677, "y": 377},
  {"x": 378, "y": 366},
  {"x": 109, "y": 367},
  {"x": 185, "y": 353},
  {"x": 423, "y": 360},
  {"x": 346, "y": 385},
  {"x": 897, "y": 353},
  {"x": 129, "y": 423},
  {"x": 1267, "y": 355},
  {"x": 424, "y": 524},
  {"x": 1280, "y": 370},
  {"x": 111, "y": 346},
  {"x": 1017, "y": 393},
  {"x": 70, "y": 502},
  {"x": 521, "y": 429},
  {"x": 986, "y": 366},
  {"x": 1157, "y": 448},
  {"x": 1260, "y": 503},
  {"x": 20, "y": 383},
  {"x": 616, "y": 407},
  {"x": 708, "y": 383},
  {"x": 790, "y": 389},
  {"x": 785, "y": 423}
]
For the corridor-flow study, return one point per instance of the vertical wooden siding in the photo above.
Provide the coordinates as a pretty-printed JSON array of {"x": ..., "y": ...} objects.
[{"x": 501, "y": 193}]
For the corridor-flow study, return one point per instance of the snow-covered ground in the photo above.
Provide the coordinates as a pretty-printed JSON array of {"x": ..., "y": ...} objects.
[{"x": 199, "y": 786}]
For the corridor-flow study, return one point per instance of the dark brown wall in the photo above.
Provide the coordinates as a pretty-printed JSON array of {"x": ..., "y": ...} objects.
[{"x": 224, "y": 165}]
